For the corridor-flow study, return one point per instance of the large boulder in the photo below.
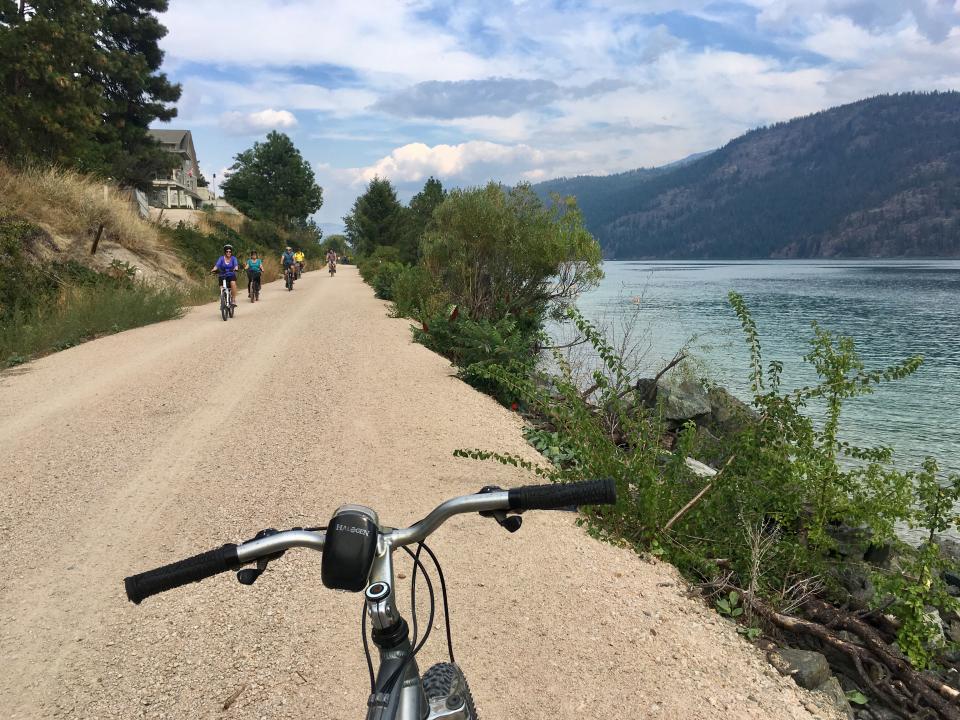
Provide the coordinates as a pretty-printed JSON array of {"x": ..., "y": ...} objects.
[
  {"x": 728, "y": 415},
  {"x": 684, "y": 400},
  {"x": 807, "y": 668}
]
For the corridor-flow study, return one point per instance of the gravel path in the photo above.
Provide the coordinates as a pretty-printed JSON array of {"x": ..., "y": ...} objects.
[{"x": 148, "y": 446}]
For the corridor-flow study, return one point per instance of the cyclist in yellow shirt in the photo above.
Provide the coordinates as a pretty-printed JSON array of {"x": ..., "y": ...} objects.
[{"x": 299, "y": 257}]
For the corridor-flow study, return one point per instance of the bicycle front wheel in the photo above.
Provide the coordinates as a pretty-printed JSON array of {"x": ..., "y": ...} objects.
[
  {"x": 446, "y": 688},
  {"x": 224, "y": 308}
]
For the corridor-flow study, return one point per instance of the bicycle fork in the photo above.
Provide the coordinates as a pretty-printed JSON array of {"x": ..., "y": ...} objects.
[{"x": 391, "y": 635}]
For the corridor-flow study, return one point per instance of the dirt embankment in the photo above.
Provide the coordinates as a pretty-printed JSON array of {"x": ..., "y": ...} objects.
[
  {"x": 147, "y": 446},
  {"x": 73, "y": 209}
]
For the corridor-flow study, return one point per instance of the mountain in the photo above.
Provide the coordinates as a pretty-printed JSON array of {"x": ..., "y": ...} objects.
[{"x": 875, "y": 178}]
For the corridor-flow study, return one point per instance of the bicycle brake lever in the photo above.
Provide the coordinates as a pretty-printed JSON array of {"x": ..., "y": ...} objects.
[
  {"x": 248, "y": 576},
  {"x": 511, "y": 523}
]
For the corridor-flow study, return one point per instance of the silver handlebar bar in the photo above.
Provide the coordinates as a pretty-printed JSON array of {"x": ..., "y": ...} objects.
[{"x": 393, "y": 538}]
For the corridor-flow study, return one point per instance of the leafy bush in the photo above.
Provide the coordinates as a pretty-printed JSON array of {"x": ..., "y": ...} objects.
[
  {"x": 497, "y": 252},
  {"x": 415, "y": 295},
  {"x": 384, "y": 277},
  {"x": 474, "y": 346},
  {"x": 919, "y": 582},
  {"x": 368, "y": 264},
  {"x": 24, "y": 285},
  {"x": 785, "y": 478}
]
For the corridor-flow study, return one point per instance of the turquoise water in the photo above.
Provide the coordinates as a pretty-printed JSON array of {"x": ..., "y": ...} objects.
[{"x": 892, "y": 309}]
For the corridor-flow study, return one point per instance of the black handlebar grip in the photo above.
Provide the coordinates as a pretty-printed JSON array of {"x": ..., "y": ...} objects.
[
  {"x": 550, "y": 497},
  {"x": 193, "y": 569}
]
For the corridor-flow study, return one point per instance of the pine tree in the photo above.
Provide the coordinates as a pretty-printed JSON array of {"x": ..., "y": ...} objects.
[
  {"x": 376, "y": 217},
  {"x": 135, "y": 94},
  {"x": 48, "y": 105}
]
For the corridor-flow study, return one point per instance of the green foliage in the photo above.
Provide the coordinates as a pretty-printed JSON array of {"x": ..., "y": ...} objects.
[
  {"x": 81, "y": 85},
  {"x": 477, "y": 346},
  {"x": 730, "y": 605},
  {"x": 786, "y": 475},
  {"x": 383, "y": 278},
  {"x": 418, "y": 218},
  {"x": 50, "y": 108},
  {"x": 24, "y": 284},
  {"x": 497, "y": 252},
  {"x": 135, "y": 94},
  {"x": 919, "y": 584},
  {"x": 81, "y": 312},
  {"x": 375, "y": 219},
  {"x": 271, "y": 181},
  {"x": 369, "y": 264},
  {"x": 857, "y": 697},
  {"x": 415, "y": 295}
]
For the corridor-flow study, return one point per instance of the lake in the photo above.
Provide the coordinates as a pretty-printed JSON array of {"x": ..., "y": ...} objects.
[{"x": 891, "y": 308}]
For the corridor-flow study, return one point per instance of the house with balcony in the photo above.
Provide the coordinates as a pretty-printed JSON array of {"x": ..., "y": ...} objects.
[{"x": 179, "y": 188}]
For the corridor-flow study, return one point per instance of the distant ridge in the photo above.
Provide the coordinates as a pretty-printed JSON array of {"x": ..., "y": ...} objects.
[{"x": 875, "y": 178}]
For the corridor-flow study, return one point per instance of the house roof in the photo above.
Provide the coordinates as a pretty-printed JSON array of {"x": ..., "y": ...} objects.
[
  {"x": 169, "y": 136},
  {"x": 182, "y": 139}
]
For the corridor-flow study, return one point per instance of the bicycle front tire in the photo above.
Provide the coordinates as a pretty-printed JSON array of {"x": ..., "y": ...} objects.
[{"x": 446, "y": 680}]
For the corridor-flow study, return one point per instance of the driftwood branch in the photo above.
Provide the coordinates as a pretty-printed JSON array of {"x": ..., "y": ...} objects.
[
  {"x": 889, "y": 676},
  {"x": 696, "y": 498}
]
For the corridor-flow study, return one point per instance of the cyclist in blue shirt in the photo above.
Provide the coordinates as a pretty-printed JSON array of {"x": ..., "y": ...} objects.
[
  {"x": 226, "y": 268},
  {"x": 288, "y": 260}
]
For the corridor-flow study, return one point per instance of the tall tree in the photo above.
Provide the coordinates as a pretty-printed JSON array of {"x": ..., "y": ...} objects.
[
  {"x": 272, "y": 181},
  {"x": 48, "y": 106},
  {"x": 376, "y": 217},
  {"x": 419, "y": 218},
  {"x": 135, "y": 93}
]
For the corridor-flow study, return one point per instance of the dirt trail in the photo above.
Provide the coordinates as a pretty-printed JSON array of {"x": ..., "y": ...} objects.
[{"x": 147, "y": 446}]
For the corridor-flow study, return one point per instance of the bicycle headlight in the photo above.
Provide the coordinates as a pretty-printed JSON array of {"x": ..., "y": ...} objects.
[{"x": 349, "y": 548}]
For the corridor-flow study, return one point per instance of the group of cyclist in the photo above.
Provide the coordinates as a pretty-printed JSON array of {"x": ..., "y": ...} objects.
[{"x": 227, "y": 268}]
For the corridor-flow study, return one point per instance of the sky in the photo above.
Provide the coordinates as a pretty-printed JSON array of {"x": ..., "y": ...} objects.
[{"x": 514, "y": 90}]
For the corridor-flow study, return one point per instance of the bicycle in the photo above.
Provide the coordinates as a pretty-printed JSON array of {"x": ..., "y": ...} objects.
[
  {"x": 288, "y": 277},
  {"x": 226, "y": 302},
  {"x": 333, "y": 269},
  {"x": 358, "y": 555},
  {"x": 253, "y": 286}
]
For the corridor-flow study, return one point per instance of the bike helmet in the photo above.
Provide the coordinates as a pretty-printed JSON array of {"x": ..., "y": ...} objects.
[{"x": 228, "y": 247}]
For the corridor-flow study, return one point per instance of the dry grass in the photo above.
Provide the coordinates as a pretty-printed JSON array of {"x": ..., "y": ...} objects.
[
  {"x": 207, "y": 221},
  {"x": 72, "y": 205}
]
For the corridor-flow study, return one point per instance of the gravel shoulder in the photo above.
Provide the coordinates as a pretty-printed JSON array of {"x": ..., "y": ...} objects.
[{"x": 148, "y": 446}]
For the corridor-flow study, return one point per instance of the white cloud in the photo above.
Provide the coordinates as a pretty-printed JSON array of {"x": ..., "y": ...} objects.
[
  {"x": 254, "y": 123},
  {"x": 370, "y": 37},
  {"x": 475, "y": 161}
]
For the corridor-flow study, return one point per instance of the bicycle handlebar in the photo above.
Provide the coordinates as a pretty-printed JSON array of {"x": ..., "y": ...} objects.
[
  {"x": 231, "y": 556},
  {"x": 193, "y": 569},
  {"x": 551, "y": 497}
]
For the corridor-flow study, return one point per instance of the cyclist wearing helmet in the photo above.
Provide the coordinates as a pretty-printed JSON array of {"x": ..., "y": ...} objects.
[
  {"x": 288, "y": 261},
  {"x": 226, "y": 269},
  {"x": 299, "y": 257}
]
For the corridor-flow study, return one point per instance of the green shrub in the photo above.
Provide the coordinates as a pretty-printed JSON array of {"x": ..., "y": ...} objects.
[
  {"x": 786, "y": 477},
  {"x": 383, "y": 278},
  {"x": 499, "y": 252},
  {"x": 24, "y": 284},
  {"x": 476, "y": 345},
  {"x": 415, "y": 295},
  {"x": 369, "y": 264}
]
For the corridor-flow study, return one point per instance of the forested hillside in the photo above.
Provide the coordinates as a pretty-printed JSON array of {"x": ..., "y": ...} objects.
[{"x": 876, "y": 178}]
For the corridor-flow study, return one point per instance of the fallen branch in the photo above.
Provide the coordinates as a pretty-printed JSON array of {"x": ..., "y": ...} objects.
[
  {"x": 696, "y": 498},
  {"x": 888, "y": 677}
]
